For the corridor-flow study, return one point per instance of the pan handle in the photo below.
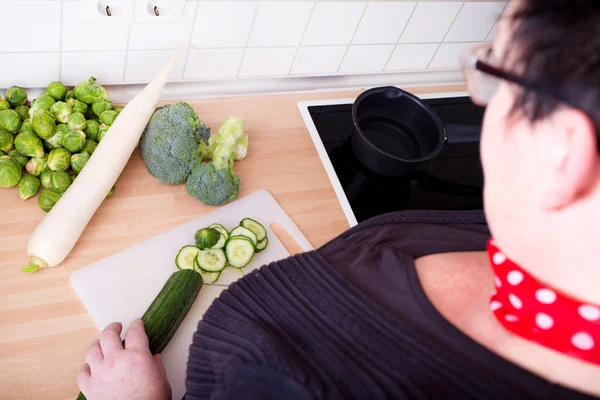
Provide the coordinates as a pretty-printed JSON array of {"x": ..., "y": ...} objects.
[{"x": 456, "y": 134}]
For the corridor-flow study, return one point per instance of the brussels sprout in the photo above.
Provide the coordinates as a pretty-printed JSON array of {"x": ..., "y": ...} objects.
[
  {"x": 88, "y": 91},
  {"x": 118, "y": 109},
  {"x": 78, "y": 161},
  {"x": 28, "y": 186},
  {"x": 102, "y": 132},
  {"x": 26, "y": 127},
  {"x": 92, "y": 129},
  {"x": 77, "y": 121},
  {"x": 10, "y": 121},
  {"x": 57, "y": 90},
  {"x": 23, "y": 112},
  {"x": 101, "y": 105},
  {"x": 73, "y": 177},
  {"x": 207, "y": 238},
  {"x": 47, "y": 199},
  {"x": 2, "y": 154},
  {"x": 56, "y": 141},
  {"x": 29, "y": 144},
  {"x": 108, "y": 117},
  {"x": 70, "y": 95},
  {"x": 43, "y": 102},
  {"x": 59, "y": 160},
  {"x": 4, "y": 104},
  {"x": 112, "y": 191},
  {"x": 43, "y": 124},
  {"x": 10, "y": 172},
  {"x": 6, "y": 141},
  {"x": 61, "y": 111},
  {"x": 90, "y": 147},
  {"x": 18, "y": 157},
  {"x": 16, "y": 96},
  {"x": 74, "y": 141},
  {"x": 45, "y": 178},
  {"x": 36, "y": 166},
  {"x": 60, "y": 182},
  {"x": 78, "y": 106}
]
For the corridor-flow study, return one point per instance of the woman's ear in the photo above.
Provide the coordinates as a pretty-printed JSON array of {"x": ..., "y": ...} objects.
[{"x": 574, "y": 161}]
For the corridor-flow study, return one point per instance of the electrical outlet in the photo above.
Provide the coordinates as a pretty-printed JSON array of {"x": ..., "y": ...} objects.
[
  {"x": 159, "y": 11},
  {"x": 110, "y": 12}
]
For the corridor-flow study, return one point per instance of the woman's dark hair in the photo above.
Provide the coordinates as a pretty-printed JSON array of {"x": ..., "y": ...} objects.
[{"x": 557, "y": 47}]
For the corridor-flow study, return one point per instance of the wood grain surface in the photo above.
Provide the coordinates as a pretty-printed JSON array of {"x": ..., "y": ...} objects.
[{"x": 45, "y": 330}]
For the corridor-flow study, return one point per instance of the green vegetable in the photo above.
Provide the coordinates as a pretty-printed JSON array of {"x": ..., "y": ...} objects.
[
  {"x": 43, "y": 102},
  {"x": 43, "y": 124},
  {"x": 221, "y": 229},
  {"x": 213, "y": 186},
  {"x": 234, "y": 127},
  {"x": 10, "y": 172},
  {"x": 90, "y": 147},
  {"x": 186, "y": 256},
  {"x": 102, "y": 131},
  {"x": 4, "y": 104},
  {"x": 57, "y": 90},
  {"x": 18, "y": 157},
  {"x": 209, "y": 277},
  {"x": 6, "y": 141},
  {"x": 28, "y": 186},
  {"x": 56, "y": 141},
  {"x": 255, "y": 227},
  {"x": 88, "y": 91},
  {"x": 170, "y": 143},
  {"x": 206, "y": 238},
  {"x": 92, "y": 129},
  {"x": 10, "y": 121},
  {"x": 26, "y": 126},
  {"x": 112, "y": 191},
  {"x": 77, "y": 121},
  {"x": 118, "y": 109},
  {"x": 23, "y": 112},
  {"x": 45, "y": 178},
  {"x": 60, "y": 181},
  {"x": 59, "y": 160},
  {"x": 241, "y": 231},
  {"x": 78, "y": 106},
  {"x": 61, "y": 111},
  {"x": 36, "y": 166},
  {"x": 211, "y": 260},
  {"x": 47, "y": 199},
  {"x": 108, "y": 117},
  {"x": 73, "y": 177},
  {"x": 29, "y": 144},
  {"x": 70, "y": 95},
  {"x": 74, "y": 141},
  {"x": 101, "y": 105},
  {"x": 262, "y": 245},
  {"x": 239, "y": 251},
  {"x": 78, "y": 161},
  {"x": 16, "y": 96},
  {"x": 221, "y": 243}
]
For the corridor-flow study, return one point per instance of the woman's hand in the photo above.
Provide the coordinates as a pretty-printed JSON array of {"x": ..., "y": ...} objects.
[{"x": 114, "y": 371}]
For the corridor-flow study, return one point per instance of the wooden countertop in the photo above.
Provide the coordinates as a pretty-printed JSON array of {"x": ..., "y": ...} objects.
[{"x": 45, "y": 330}]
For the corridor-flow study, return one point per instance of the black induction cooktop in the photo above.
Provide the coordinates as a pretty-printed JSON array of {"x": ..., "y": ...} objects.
[{"x": 451, "y": 181}]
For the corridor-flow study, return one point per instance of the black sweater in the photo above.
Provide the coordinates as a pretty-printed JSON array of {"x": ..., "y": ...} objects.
[{"x": 351, "y": 321}]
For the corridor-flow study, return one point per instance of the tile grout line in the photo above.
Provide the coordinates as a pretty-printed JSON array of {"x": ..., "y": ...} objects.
[
  {"x": 352, "y": 38},
  {"x": 190, "y": 39},
  {"x": 401, "y": 33},
  {"x": 495, "y": 22},
  {"x": 312, "y": 11},
  {"x": 256, "y": 11},
  {"x": 447, "y": 32},
  {"x": 60, "y": 43}
]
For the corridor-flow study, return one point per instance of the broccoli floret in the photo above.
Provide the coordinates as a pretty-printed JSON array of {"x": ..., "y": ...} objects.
[
  {"x": 213, "y": 186},
  {"x": 170, "y": 142}
]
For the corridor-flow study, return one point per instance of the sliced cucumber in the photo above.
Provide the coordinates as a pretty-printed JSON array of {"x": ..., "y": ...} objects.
[
  {"x": 186, "y": 256},
  {"x": 255, "y": 227},
  {"x": 239, "y": 251},
  {"x": 221, "y": 243},
  {"x": 241, "y": 231},
  {"x": 210, "y": 277},
  {"x": 262, "y": 245},
  {"x": 221, "y": 229},
  {"x": 230, "y": 275},
  {"x": 211, "y": 260}
]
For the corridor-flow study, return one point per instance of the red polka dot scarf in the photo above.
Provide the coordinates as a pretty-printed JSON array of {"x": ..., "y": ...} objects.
[{"x": 541, "y": 314}]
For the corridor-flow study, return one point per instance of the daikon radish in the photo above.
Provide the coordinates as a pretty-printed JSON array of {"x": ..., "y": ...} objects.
[{"x": 58, "y": 232}]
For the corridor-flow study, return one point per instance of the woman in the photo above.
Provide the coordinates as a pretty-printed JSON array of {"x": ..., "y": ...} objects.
[{"x": 399, "y": 307}]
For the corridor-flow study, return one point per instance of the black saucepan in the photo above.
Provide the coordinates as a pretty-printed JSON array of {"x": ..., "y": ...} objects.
[{"x": 395, "y": 131}]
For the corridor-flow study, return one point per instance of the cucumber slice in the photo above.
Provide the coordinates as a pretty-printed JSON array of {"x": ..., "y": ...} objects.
[
  {"x": 221, "y": 229},
  {"x": 230, "y": 275},
  {"x": 241, "y": 231},
  {"x": 255, "y": 227},
  {"x": 209, "y": 277},
  {"x": 239, "y": 251},
  {"x": 262, "y": 245},
  {"x": 221, "y": 243},
  {"x": 186, "y": 256},
  {"x": 211, "y": 260}
]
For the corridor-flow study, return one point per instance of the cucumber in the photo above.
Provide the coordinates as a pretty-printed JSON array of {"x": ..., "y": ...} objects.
[
  {"x": 262, "y": 245},
  {"x": 221, "y": 243},
  {"x": 241, "y": 231},
  {"x": 211, "y": 260},
  {"x": 221, "y": 229},
  {"x": 186, "y": 256},
  {"x": 239, "y": 251},
  {"x": 169, "y": 308},
  {"x": 230, "y": 275},
  {"x": 255, "y": 227},
  {"x": 210, "y": 277}
]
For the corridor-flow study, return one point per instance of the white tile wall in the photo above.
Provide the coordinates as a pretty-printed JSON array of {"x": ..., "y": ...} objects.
[{"x": 242, "y": 38}]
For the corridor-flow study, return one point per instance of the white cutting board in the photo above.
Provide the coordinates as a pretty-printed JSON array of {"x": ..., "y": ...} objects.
[{"x": 122, "y": 286}]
